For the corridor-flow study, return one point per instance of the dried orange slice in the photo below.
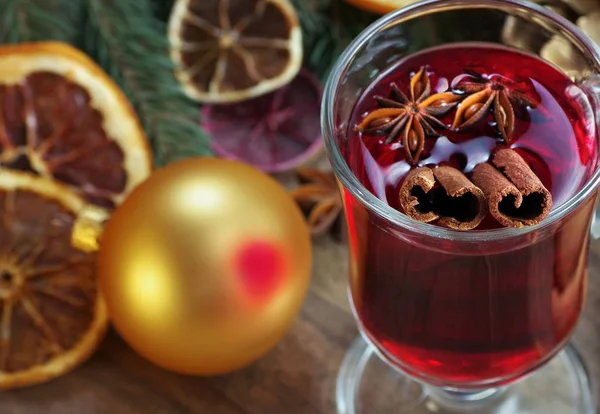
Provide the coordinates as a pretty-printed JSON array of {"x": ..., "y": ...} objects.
[
  {"x": 63, "y": 118},
  {"x": 380, "y": 6},
  {"x": 230, "y": 51},
  {"x": 51, "y": 315},
  {"x": 276, "y": 132}
]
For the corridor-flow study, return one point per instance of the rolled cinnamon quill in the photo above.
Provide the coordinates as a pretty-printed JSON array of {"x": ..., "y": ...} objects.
[
  {"x": 444, "y": 194},
  {"x": 516, "y": 196}
]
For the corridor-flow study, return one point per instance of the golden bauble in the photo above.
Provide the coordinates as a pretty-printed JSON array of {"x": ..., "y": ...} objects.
[{"x": 205, "y": 266}]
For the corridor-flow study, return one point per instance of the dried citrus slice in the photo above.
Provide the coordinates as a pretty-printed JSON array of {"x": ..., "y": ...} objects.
[
  {"x": 380, "y": 6},
  {"x": 51, "y": 314},
  {"x": 276, "y": 132},
  {"x": 229, "y": 51},
  {"x": 63, "y": 118}
]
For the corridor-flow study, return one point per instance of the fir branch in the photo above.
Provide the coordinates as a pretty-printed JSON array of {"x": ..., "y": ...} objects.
[
  {"x": 36, "y": 20},
  {"x": 328, "y": 27},
  {"x": 127, "y": 39},
  {"x": 162, "y": 9}
]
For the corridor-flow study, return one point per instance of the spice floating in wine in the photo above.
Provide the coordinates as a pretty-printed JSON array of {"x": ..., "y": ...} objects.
[
  {"x": 516, "y": 196},
  {"x": 455, "y": 201},
  {"x": 458, "y": 203},
  {"x": 412, "y": 118},
  {"x": 487, "y": 92},
  {"x": 539, "y": 121}
]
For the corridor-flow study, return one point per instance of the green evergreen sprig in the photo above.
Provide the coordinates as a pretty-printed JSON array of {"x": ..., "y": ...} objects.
[
  {"x": 162, "y": 9},
  {"x": 328, "y": 27},
  {"x": 35, "y": 20},
  {"x": 128, "y": 40}
]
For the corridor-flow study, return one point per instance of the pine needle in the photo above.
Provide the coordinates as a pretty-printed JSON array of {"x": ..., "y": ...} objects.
[
  {"x": 162, "y": 9},
  {"x": 36, "y": 20},
  {"x": 328, "y": 27},
  {"x": 129, "y": 41}
]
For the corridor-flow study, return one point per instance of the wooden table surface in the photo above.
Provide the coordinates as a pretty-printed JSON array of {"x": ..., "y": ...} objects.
[{"x": 297, "y": 377}]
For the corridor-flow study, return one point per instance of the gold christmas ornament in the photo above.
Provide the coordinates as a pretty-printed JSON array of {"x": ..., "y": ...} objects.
[{"x": 205, "y": 266}]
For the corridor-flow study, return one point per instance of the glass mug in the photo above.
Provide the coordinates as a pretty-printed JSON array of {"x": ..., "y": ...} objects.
[{"x": 454, "y": 321}]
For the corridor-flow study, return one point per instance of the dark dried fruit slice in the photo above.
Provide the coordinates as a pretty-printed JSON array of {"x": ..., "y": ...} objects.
[
  {"x": 51, "y": 314},
  {"x": 232, "y": 50},
  {"x": 63, "y": 118},
  {"x": 276, "y": 132}
]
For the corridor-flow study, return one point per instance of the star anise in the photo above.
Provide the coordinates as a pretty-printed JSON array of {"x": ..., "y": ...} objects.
[
  {"x": 410, "y": 117},
  {"x": 319, "y": 198},
  {"x": 485, "y": 93}
]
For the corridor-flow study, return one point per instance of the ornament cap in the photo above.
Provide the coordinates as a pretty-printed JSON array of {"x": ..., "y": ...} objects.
[{"x": 88, "y": 228}]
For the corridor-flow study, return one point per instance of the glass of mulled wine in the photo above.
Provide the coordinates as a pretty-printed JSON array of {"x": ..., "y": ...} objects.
[{"x": 468, "y": 166}]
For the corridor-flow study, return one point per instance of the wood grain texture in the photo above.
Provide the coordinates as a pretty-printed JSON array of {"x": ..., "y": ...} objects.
[{"x": 297, "y": 377}]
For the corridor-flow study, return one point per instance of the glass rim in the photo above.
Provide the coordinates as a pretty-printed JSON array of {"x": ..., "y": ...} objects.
[{"x": 378, "y": 206}]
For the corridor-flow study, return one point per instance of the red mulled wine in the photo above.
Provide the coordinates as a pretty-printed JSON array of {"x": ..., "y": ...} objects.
[{"x": 458, "y": 313}]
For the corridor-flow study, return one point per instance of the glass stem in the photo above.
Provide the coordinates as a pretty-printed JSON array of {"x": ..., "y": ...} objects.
[{"x": 457, "y": 398}]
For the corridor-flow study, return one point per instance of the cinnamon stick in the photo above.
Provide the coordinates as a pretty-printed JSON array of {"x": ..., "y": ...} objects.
[
  {"x": 413, "y": 193},
  {"x": 516, "y": 196},
  {"x": 444, "y": 194}
]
